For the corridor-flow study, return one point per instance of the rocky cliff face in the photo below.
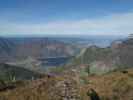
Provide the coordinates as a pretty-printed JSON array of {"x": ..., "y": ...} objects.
[{"x": 124, "y": 53}]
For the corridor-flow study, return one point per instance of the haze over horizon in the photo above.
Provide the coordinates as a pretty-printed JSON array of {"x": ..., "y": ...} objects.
[{"x": 66, "y": 17}]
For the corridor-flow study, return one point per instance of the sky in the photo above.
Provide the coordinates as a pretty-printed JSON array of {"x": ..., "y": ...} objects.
[{"x": 66, "y": 17}]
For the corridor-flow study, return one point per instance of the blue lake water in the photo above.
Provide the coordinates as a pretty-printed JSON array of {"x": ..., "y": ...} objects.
[{"x": 58, "y": 61}]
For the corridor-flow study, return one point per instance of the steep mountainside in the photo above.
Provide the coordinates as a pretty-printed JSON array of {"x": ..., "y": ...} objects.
[
  {"x": 91, "y": 54},
  {"x": 8, "y": 73},
  {"x": 118, "y": 55},
  {"x": 6, "y": 48},
  {"x": 124, "y": 52}
]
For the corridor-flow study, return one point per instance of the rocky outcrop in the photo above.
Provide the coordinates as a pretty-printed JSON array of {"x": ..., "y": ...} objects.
[
  {"x": 47, "y": 88},
  {"x": 68, "y": 90}
]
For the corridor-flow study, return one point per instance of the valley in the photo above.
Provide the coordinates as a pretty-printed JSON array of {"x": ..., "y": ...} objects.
[
  {"x": 103, "y": 73},
  {"x": 66, "y": 49}
]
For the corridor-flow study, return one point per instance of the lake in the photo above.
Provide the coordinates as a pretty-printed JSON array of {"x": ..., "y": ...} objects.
[{"x": 55, "y": 61}]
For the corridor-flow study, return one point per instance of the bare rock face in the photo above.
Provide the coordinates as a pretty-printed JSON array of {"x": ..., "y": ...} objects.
[
  {"x": 122, "y": 52},
  {"x": 68, "y": 90}
]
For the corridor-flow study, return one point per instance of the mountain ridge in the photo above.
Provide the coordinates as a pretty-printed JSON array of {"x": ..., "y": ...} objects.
[{"x": 21, "y": 48}]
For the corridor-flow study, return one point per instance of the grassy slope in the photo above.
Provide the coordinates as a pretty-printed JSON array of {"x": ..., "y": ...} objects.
[
  {"x": 112, "y": 86},
  {"x": 7, "y": 72},
  {"x": 47, "y": 88}
]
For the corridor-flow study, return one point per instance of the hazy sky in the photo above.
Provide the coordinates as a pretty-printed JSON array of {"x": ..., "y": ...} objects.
[{"x": 66, "y": 17}]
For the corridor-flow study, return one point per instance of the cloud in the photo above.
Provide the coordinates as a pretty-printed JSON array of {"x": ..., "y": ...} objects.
[{"x": 114, "y": 24}]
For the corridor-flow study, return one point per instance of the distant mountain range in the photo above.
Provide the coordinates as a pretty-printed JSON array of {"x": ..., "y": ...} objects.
[
  {"x": 21, "y": 48},
  {"x": 98, "y": 40},
  {"x": 36, "y": 53},
  {"x": 40, "y": 47}
]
